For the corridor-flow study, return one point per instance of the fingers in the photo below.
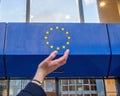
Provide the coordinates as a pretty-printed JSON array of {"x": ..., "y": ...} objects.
[
  {"x": 66, "y": 53},
  {"x": 62, "y": 60},
  {"x": 52, "y": 55}
]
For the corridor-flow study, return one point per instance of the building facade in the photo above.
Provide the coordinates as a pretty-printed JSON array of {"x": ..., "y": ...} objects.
[{"x": 63, "y": 11}]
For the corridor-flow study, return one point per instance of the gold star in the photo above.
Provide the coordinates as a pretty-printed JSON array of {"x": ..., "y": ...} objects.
[
  {"x": 45, "y": 37},
  {"x": 69, "y": 37},
  {"x": 57, "y": 27},
  {"x": 47, "y": 32},
  {"x": 67, "y": 32},
  {"x": 63, "y": 47},
  {"x": 47, "y": 43},
  {"x": 51, "y": 46},
  {"x": 67, "y": 43},
  {"x": 51, "y": 29},
  {"x": 58, "y": 48},
  {"x": 62, "y": 29}
]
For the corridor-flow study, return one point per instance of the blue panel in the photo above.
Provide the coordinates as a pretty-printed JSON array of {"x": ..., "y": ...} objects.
[
  {"x": 114, "y": 31},
  {"x": 2, "y": 34},
  {"x": 29, "y": 43}
]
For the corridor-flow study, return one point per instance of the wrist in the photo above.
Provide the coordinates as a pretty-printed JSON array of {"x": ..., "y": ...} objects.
[
  {"x": 37, "y": 82},
  {"x": 39, "y": 77}
]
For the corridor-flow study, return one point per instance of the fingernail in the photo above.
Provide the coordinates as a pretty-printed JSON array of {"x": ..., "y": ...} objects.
[
  {"x": 56, "y": 51},
  {"x": 68, "y": 50}
]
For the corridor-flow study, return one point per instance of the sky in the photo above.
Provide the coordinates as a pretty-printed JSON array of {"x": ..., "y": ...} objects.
[{"x": 48, "y": 11}]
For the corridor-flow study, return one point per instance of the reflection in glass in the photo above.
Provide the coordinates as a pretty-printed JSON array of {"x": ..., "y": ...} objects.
[
  {"x": 65, "y": 82},
  {"x": 86, "y": 87},
  {"x": 82, "y": 87},
  {"x": 49, "y": 87},
  {"x": 90, "y": 10},
  {"x": 65, "y": 88},
  {"x": 79, "y": 94},
  {"x": 79, "y": 81},
  {"x": 72, "y": 81},
  {"x": 85, "y": 81},
  {"x": 92, "y": 81},
  {"x": 86, "y": 94},
  {"x": 3, "y": 87},
  {"x": 79, "y": 88},
  {"x": 94, "y": 95},
  {"x": 12, "y": 10},
  {"x": 93, "y": 87},
  {"x": 72, "y": 88},
  {"x": 110, "y": 87},
  {"x": 16, "y": 86},
  {"x": 54, "y": 11},
  {"x": 109, "y": 11}
]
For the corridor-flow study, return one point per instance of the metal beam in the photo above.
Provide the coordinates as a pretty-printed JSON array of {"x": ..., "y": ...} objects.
[{"x": 27, "y": 10}]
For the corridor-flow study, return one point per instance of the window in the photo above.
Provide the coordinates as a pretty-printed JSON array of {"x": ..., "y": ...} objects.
[
  {"x": 3, "y": 87},
  {"x": 54, "y": 11},
  {"x": 81, "y": 87},
  {"x": 12, "y": 10}
]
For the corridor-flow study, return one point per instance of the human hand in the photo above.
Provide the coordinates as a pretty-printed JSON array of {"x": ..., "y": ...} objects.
[{"x": 49, "y": 65}]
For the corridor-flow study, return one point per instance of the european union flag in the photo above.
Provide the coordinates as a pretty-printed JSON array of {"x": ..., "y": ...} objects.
[{"x": 29, "y": 43}]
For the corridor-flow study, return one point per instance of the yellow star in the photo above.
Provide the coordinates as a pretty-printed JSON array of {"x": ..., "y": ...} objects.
[
  {"x": 67, "y": 43},
  {"x": 57, "y": 27},
  {"x": 63, "y": 47},
  {"x": 67, "y": 32},
  {"x": 69, "y": 37},
  {"x": 45, "y": 37},
  {"x": 51, "y": 29},
  {"x": 47, "y": 43},
  {"x": 51, "y": 46},
  {"x": 47, "y": 32},
  {"x": 58, "y": 48},
  {"x": 62, "y": 29}
]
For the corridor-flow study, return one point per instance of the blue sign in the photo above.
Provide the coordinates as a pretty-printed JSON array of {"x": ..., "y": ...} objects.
[
  {"x": 27, "y": 44},
  {"x": 2, "y": 35},
  {"x": 114, "y": 33}
]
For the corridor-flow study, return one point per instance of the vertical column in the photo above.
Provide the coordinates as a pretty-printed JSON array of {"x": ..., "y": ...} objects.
[
  {"x": 81, "y": 11},
  {"x": 28, "y": 11}
]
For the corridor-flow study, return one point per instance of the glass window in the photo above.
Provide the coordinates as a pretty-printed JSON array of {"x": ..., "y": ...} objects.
[
  {"x": 86, "y": 87},
  {"x": 87, "y": 95},
  {"x": 72, "y": 81},
  {"x": 86, "y": 81},
  {"x": 82, "y": 87},
  {"x": 79, "y": 81},
  {"x": 90, "y": 11},
  {"x": 93, "y": 87},
  {"x": 94, "y": 95},
  {"x": 65, "y": 88},
  {"x": 79, "y": 94},
  {"x": 12, "y": 10},
  {"x": 49, "y": 87},
  {"x": 72, "y": 94},
  {"x": 16, "y": 86},
  {"x": 92, "y": 81},
  {"x": 65, "y": 82},
  {"x": 3, "y": 87},
  {"x": 109, "y": 11},
  {"x": 79, "y": 88},
  {"x": 54, "y": 11},
  {"x": 105, "y": 11},
  {"x": 72, "y": 88},
  {"x": 110, "y": 87}
]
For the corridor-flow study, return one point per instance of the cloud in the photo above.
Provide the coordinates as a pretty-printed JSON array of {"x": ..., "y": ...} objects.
[{"x": 87, "y": 2}]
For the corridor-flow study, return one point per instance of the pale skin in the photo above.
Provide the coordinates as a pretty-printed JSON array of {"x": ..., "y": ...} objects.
[{"x": 48, "y": 65}]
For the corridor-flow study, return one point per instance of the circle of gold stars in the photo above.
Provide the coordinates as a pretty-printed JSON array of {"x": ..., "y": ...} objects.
[{"x": 57, "y": 47}]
